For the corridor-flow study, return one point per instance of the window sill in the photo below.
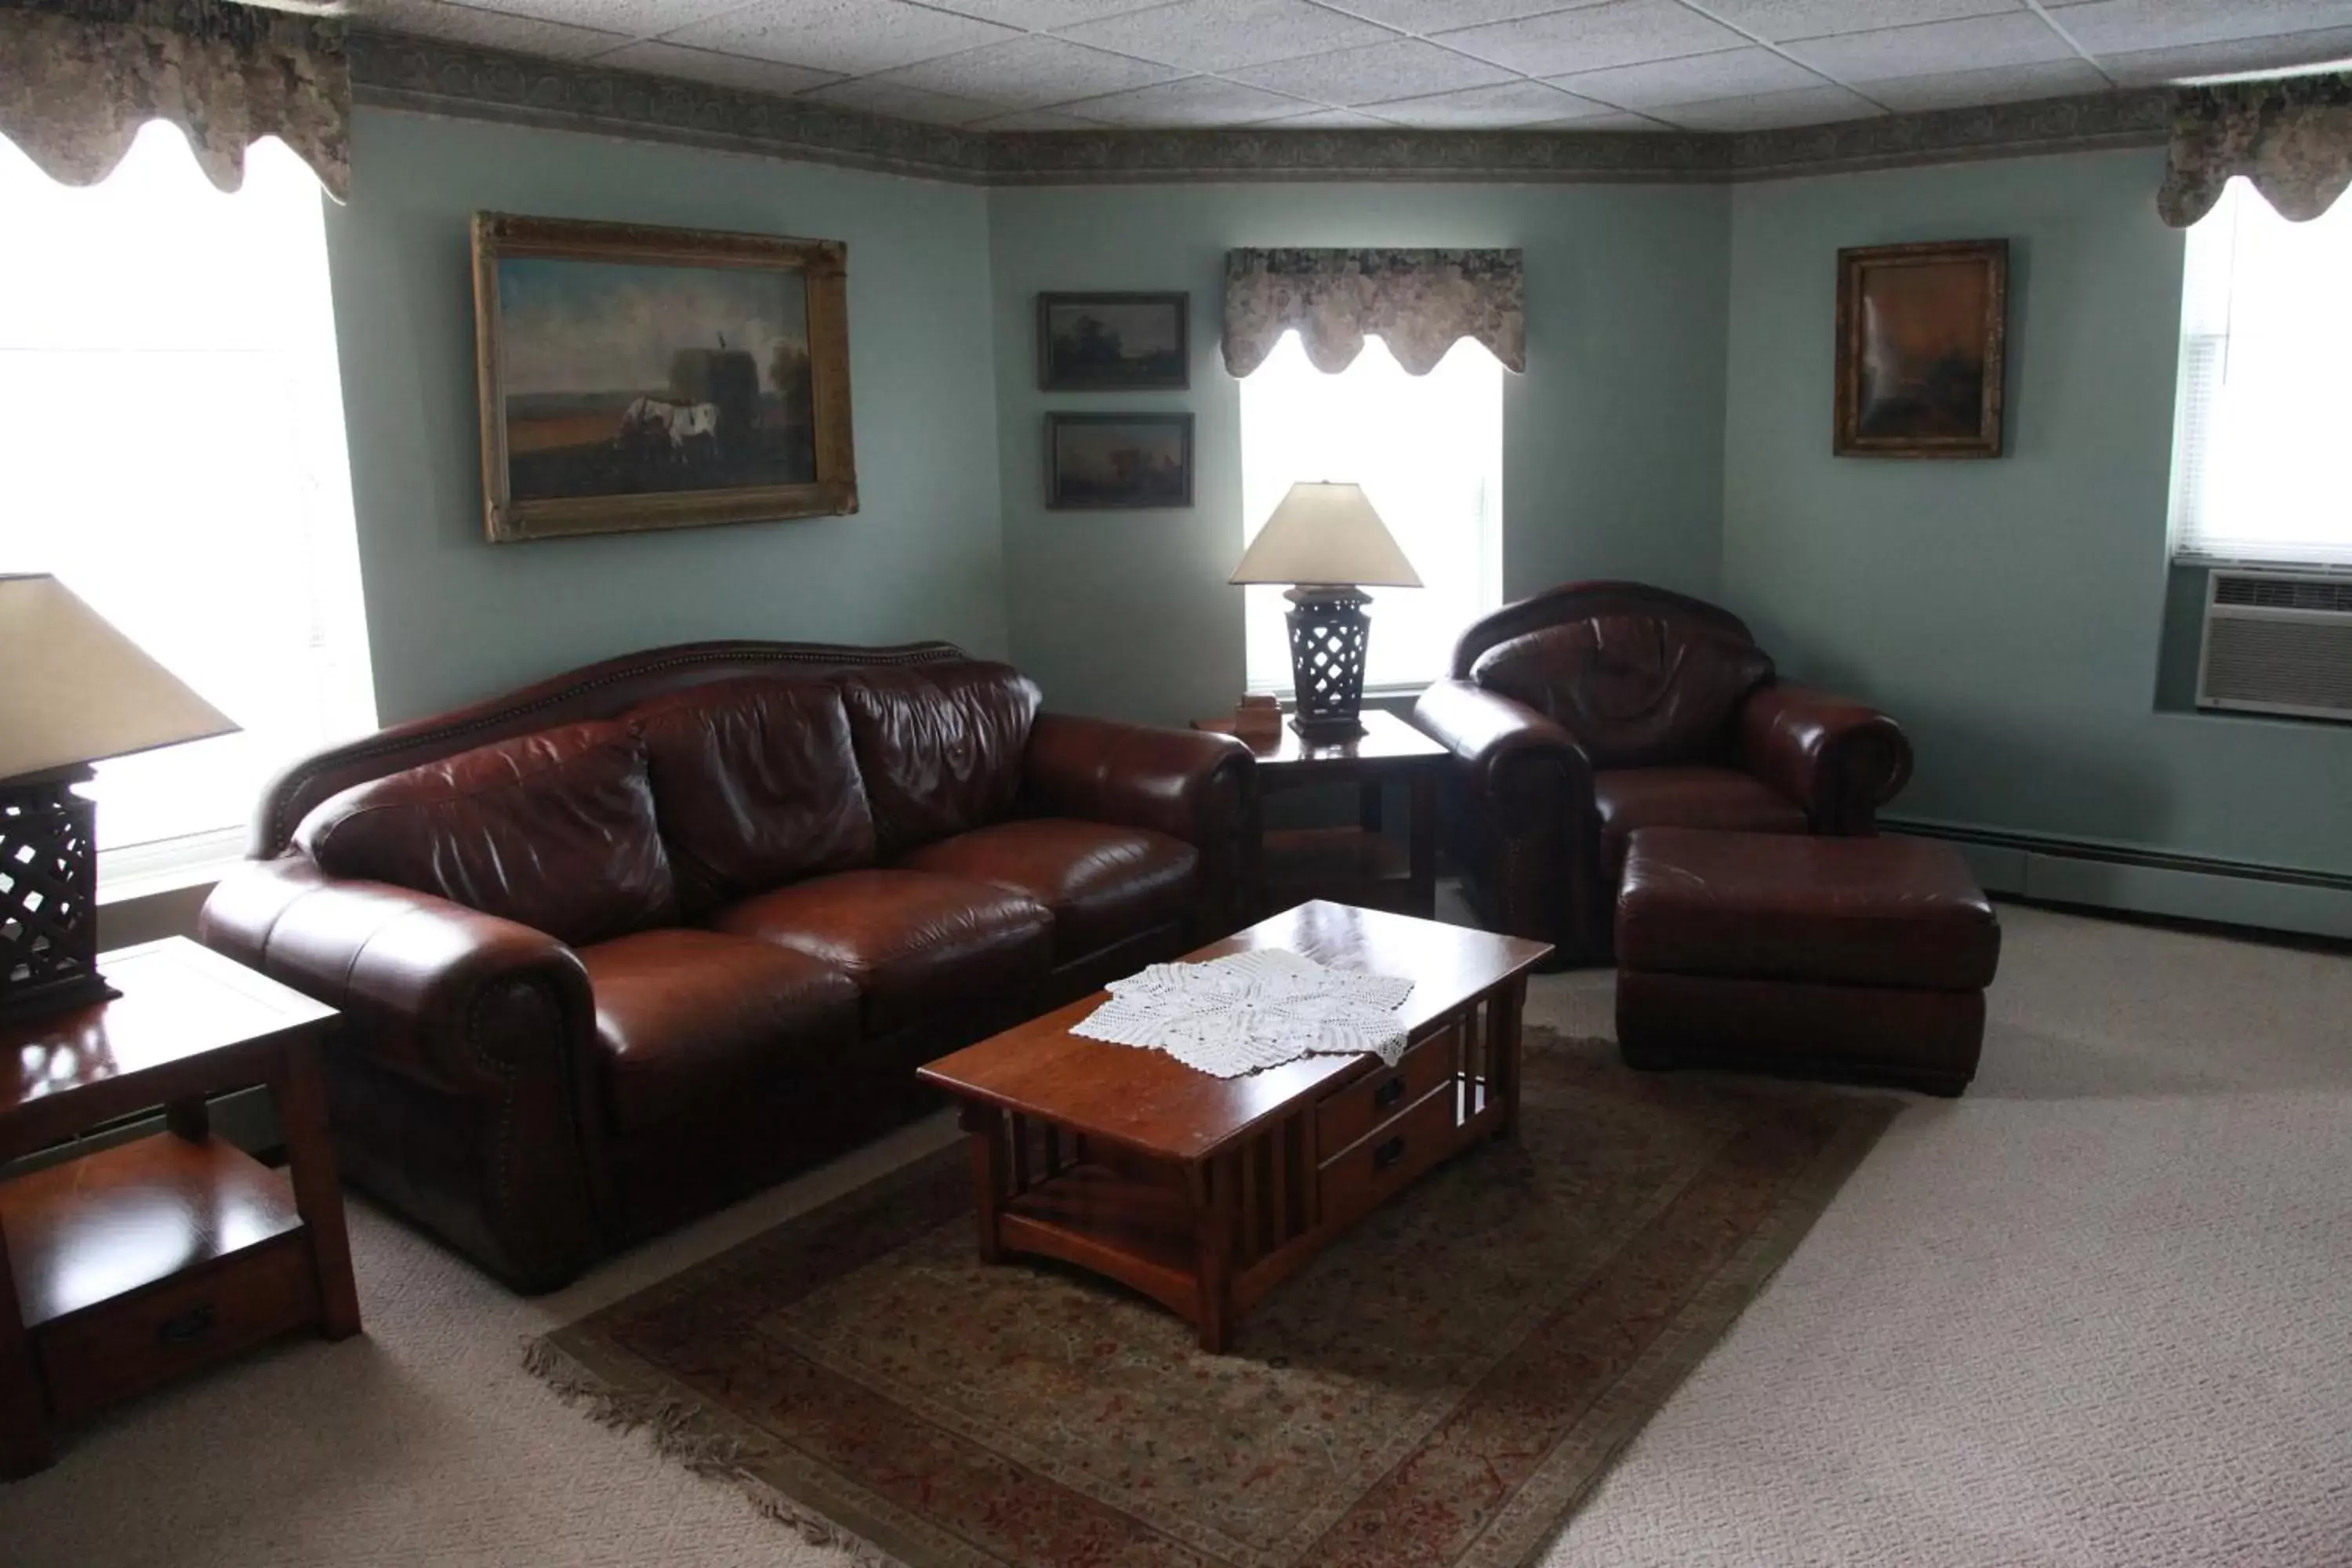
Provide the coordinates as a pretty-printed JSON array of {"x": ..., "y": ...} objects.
[{"x": 167, "y": 865}]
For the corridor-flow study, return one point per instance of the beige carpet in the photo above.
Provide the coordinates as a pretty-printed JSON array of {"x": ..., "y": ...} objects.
[{"x": 2095, "y": 1312}]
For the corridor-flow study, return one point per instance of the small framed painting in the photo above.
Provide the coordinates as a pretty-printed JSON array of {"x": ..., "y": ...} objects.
[
  {"x": 1114, "y": 461},
  {"x": 1113, "y": 342},
  {"x": 634, "y": 377},
  {"x": 1919, "y": 341}
]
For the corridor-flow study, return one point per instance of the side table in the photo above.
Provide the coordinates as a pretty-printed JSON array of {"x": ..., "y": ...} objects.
[
  {"x": 1357, "y": 864},
  {"x": 122, "y": 1268}
]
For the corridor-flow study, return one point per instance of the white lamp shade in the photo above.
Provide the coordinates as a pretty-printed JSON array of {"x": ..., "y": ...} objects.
[
  {"x": 1325, "y": 533},
  {"x": 73, "y": 689}
]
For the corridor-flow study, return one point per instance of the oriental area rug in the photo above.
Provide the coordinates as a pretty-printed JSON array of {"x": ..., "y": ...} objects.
[{"x": 1442, "y": 1387}]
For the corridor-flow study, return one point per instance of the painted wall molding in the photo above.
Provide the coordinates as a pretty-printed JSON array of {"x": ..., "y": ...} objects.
[{"x": 423, "y": 76}]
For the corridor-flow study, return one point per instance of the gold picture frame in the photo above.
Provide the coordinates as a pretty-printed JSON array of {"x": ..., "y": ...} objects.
[
  {"x": 613, "y": 399},
  {"x": 1921, "y": 335}
]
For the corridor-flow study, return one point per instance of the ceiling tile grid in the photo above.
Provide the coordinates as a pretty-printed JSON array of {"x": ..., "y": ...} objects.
[{"x": 1700, "y": 65}]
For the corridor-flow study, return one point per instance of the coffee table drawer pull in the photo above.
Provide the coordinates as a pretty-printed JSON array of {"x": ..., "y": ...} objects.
[
  {"x": 1388, "y": 1094},
  {"x": 1388, "y": 1154},
  {"x": 1347, "y": 1116},
  {"x": 188, "y": 1326}
]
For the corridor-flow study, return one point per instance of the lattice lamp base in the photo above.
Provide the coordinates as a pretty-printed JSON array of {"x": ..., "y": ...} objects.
[
  {"x": 1328, "y": 632},
  {"x": 48, "y": 899}
]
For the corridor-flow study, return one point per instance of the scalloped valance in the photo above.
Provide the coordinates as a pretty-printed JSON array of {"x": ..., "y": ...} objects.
[
  {"x": 2292, "y": 136},
  {"x": 1420, "y": 302},
  {"x": 78, "y": 78}
]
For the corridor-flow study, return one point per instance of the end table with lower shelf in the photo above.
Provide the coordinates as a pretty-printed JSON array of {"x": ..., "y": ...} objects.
[{"x": 125, "y": 1268}]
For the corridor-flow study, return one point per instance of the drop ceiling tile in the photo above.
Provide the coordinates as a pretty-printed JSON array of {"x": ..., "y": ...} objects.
[
  {"x": 1616, "y": 121},
  {"x": 1444, "y": 15},
  {"x": 1516, "y": 103},
  {"x": 1030, "y": 72},
  {"x": 1331, "y": 120},
  {"x": 1693, "y": 78},
  {"x": 1777, "y": 21},
  {"x": 1770, "y": 110},
  {"x": 724, "y": 70},
  {"x": 1196, "y": 100},
  {"x": 1594, "y": 38},
  {"x": 898, "y": 102},
  {"x": 634, "y": 18},
  {"x": 2105, "y": 26},
  {"x": 490, "y": 29},
  {"x": 852, "y": 36},
  {"x": 1934, "y": 48},
  {"x": 1220, "y": 35},
  {"x": 1036, "y": 120},
  {"x": 2287, "y": 51},
  {"x": 1044, "y": 15},
  {"x": 1999, "y": 84},
  {"x": 1403, "y": 67}
]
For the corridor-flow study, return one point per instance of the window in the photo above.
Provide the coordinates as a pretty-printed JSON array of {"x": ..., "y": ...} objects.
[
  {"x": 1428, "y": 451},
  {"x": 2265, "y": 404},
  {"x": 172, "y": 426}
]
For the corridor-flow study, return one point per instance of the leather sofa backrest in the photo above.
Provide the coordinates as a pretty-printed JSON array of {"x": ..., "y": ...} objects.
[
  {"x": 554, "y": 830},
  {"x": 756, "y": 784},
  {"x": 940, "y": 746},
  {"x": 1635, "y": 689}
]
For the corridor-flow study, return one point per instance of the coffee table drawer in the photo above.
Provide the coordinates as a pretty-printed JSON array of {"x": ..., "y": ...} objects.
[
  {"x": 1354, "y": 1112},
  {"x": 1362, "y": 1177}
]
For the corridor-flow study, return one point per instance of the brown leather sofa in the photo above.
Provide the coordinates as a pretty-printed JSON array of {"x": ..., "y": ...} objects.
[
  {"x": 619, "y": 947},
  {"x": 1595, "y": 709}
]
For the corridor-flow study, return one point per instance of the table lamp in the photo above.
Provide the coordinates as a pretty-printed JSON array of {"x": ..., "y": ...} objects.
[
  {"x": 1326, "y": 542},
  {"x": 73, "y": 691}
]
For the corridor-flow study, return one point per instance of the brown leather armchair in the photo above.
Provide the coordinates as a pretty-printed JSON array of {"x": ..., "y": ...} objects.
[
  {"x": 1594, "y": 708},
  {"x": 619, "y": 947}
]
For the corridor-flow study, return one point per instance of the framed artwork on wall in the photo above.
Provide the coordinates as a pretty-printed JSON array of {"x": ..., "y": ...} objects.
[
  {"x": 1114, "y": 343},
  {"x": 1096, "y": 462},
  {"x": 1919, "y": 348},
  {"x": 634, "y": 377}
]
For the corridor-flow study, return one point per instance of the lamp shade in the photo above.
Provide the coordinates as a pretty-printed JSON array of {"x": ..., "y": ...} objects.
[
  {"x": 1325, "y": 533},
  {"x": 73, "y": 689}
]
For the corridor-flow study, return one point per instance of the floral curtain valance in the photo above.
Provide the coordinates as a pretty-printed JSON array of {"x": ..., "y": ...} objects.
[
  {"x": 2292, "y": 136},
  {"x": 1420, "y": 302},
  {"x": 78, "y": 78}
]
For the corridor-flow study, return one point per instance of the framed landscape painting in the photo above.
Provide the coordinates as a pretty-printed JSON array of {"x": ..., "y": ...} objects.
[
  {"x": 635, "y": 378},
  {"x": 1112, "y": 462},
  {"x": 1113, "y": 342},
  {"x": 1919, "y": 345}
]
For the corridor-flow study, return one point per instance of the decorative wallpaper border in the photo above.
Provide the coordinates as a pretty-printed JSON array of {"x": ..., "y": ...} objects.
[{"x": 392, "y": 71}]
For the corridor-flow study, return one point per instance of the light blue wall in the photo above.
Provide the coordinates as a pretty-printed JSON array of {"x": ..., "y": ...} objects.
[
  {"x": 451, "y": 618},
  {"x": 1612, "y": 439},
  {"x": 2007, "y": 612}
]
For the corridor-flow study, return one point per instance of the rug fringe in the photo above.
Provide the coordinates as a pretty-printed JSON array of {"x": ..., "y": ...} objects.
[{"x": 683, "y": 1432}]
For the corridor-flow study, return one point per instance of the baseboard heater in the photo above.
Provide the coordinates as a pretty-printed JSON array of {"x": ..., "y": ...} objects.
[{"x": 2047, "y": 869}]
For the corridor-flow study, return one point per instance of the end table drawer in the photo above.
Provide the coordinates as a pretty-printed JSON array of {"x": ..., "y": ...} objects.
[
  {"x": 1354, "y": 1110},
  {"x": 1363, "y": 1176},
  {"x": 124, "y": 1346}
]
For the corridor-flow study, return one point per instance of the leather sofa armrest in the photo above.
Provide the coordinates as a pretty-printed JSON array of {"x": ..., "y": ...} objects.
[
  {"x": 1839, "y": 759},
  {"x": 447, "y": 994},
  {"x": 1495, "y": 739},
  {"x": 1519, "y": 814}
]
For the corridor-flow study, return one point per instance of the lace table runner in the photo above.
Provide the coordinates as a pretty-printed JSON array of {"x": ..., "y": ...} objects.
[{"x": 1254, "y": 1010}]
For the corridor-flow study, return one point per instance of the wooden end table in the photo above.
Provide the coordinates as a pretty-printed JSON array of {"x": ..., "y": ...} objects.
[
  {"x": 1360, "y": 864},
  {"x": 1206, "y": 1192},
  {"x": 139, "y": 1263}
]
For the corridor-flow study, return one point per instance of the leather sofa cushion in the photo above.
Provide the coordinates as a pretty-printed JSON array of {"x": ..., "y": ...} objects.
[
  {"x": 919, "y": 945},
  {"x": 555, "y": 831},
  {"x": 1635, "y": 691},
  {"x": 1103, "y": 884},
  {"x": 940, "y": 745},
  {"x": 1629, "y": 799},
  {"x": 756, "y": 784},
  {"x": 684, "y": 1015},
  {"x": 1897, "y": 913}
]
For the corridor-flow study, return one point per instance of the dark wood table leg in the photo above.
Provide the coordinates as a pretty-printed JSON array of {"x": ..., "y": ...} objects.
[
  {"x": 25, "y": 1445},
  {"x": 1368, "y": 806},
  {"x": 1503, "y": 1051},
  {"x": 1421, "y": 898},
  {"x": 985, "y": 1123},
  {"x": 1213, "y": 1264},
  {"x": 318, "y": 1196},
  {"x": 191, "y": 1119}
]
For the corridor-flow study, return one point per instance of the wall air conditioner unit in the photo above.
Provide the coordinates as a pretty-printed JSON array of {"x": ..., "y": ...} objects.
[{"x": 2277, "y": 642}]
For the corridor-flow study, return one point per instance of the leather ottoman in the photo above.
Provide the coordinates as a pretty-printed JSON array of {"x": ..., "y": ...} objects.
[{"x": 1850, "y": 958}]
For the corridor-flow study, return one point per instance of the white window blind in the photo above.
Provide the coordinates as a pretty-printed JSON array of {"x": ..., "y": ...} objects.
[
  {"x": 171, "y": 422},
  {"x": 1428, "y": 451},
  {"x": 2259, "y": 470}
]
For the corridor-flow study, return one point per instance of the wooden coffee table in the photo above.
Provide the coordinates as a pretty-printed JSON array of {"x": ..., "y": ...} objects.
[{"x": 1206, "y": 1192}]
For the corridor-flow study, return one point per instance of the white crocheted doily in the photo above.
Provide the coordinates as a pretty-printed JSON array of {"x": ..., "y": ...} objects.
[{"x": 1256, "y": 1009}]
